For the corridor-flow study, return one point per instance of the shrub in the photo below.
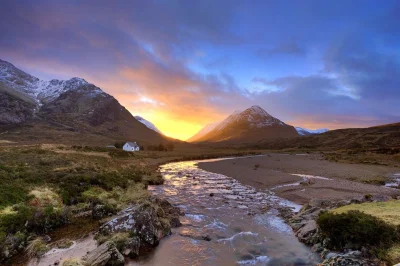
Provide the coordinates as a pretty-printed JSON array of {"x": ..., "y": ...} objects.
[{"x": 355, "y": 229}]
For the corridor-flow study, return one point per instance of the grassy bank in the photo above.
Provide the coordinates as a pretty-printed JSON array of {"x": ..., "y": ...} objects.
[
  {"x": 388, "y": 213},
  {"x": 46, "y": 187}
]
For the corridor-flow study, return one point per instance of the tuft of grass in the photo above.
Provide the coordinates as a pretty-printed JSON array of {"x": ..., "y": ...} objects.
[
  {"x": 393, "y": 254},
  {"x": 37, "y": 248},
  {"x": 72, "y": 262},
  {"x": 120, "y": 239}
]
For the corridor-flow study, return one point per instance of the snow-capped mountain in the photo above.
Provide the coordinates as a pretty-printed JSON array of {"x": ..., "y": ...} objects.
[
  {"x": 306, "y": 132},
  {"x": 40, "y": 91},
  {"x": 73, "y": 105},
  {"x": 147, "y": 124},
  {"x": 250, "y": 125}
]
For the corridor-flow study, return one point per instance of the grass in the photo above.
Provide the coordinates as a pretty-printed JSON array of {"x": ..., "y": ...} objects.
[
  {"x": 393, "y": 254},
  {"x": 72, "y": 262},
  {"x": 37, "y": 248},
  {"x": 387, "y": 211},
  {"x": 42, "y": 186}
]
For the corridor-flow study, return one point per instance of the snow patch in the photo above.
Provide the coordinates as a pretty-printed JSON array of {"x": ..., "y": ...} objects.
[
  {"x": 304, "y": 131},
  {"x": 147, "y": 124}
]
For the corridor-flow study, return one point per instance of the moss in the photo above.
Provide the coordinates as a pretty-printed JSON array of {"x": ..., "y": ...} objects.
[{"x": 121, "y": 239}]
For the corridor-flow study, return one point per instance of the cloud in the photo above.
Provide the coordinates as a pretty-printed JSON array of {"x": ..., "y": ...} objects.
[
  {"x": 288, "y": 48},
  {"x": 185, "y": 63}
]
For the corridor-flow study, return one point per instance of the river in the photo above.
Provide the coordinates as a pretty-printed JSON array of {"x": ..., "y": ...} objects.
[{"x": 226, "y": 223}]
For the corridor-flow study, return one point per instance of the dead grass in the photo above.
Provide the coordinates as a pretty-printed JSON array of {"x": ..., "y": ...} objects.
[
  {"x": 36, "y": 248},
  {"x": 393, "y": 254}
]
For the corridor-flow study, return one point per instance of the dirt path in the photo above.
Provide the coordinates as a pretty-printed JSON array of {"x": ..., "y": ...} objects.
[{"x": 273, "y": 170}]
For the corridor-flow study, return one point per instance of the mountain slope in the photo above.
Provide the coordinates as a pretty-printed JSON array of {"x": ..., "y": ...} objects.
[
  {"x": 207, "y": 128},
  {"x": 148, "y": 124},
  {"x": 65, "y": 106},
  {"x": 252, "y": 125},
  {"x": 306, "y": 132}
]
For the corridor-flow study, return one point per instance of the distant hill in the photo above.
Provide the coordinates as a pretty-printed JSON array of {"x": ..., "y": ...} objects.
[
  {"x": 384, "y": 137},
  {"x": 32, "y": 109},
  {"x": 251, "y": 125}
]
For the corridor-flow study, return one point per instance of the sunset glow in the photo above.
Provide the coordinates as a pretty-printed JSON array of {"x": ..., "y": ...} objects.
[{"x": 184, "y": 64}]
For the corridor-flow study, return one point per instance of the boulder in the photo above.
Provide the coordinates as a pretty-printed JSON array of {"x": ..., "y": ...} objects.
[
  {"x": 305, "y": 233},
  {"x": 105, "y": 254},
  {"x": 147, "y": 223}
]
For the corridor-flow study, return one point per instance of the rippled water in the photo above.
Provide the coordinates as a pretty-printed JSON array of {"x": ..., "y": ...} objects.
[{"x": 226, "y": 223}]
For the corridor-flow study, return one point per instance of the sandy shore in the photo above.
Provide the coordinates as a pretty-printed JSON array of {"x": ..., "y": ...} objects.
[{"x": 275, "y": 170}]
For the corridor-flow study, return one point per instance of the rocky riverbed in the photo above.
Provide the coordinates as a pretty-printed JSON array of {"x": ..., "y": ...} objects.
[{"x": 226, "y": 223}]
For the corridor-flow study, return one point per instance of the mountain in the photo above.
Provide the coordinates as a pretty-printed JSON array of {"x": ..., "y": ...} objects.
[
  {"x": 251, "y": 125},
  {"x": 306, "y": 132},
  {"x": 54, "y": 110},
  {"x": 148, "y": 124},
  {"x": 207, "y": 128}
]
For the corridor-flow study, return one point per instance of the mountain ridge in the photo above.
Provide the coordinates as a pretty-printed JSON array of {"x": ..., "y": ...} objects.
[{"x": 305, "y": 132}]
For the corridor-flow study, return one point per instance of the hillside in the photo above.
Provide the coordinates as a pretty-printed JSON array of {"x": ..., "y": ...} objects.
[{"x": 384, "y": 138}]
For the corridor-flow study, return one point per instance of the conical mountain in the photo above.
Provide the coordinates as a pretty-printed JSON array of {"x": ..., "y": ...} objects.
[{"x": 251, "y": 125}]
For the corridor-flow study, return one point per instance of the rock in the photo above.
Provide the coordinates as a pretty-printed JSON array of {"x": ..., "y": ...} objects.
[
  {"x": 380, "y": 198},
  {"x": 57, "y": 262},
  {"x": 195, "y": 236},
  {"x": 320, "y": 203},
  {"x": 307, "y": 231},
  {"x": 353, "y": 258},
  {"x": 147, "y": 223},
  {"x": 105, "y": 254}
]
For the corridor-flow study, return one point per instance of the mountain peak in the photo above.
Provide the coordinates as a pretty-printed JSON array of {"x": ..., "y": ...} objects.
[{"x": 252, "y": 124}]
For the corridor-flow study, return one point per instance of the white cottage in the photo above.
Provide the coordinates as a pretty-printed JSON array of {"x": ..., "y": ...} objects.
[{"x": 131, "y": 146}]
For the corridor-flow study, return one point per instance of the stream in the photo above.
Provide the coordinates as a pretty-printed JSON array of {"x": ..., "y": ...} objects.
[{"x": 226, "y": 223}]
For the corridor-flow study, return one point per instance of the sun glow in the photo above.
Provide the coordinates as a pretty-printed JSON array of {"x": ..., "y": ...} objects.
[{"x": 173, "y": 128}]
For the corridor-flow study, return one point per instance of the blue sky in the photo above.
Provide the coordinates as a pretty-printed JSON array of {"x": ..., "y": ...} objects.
[{"x": 183, "y": 64}]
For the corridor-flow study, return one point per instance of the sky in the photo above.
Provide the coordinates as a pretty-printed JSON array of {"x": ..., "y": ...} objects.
[{"x": 184, "y": 64}]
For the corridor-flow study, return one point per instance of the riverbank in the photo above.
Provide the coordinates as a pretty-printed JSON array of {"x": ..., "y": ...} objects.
[
  {"x": 48, "y": 186},
  {"x": 277, "y": 173}
]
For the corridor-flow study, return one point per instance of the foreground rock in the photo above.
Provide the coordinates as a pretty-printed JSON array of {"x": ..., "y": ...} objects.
[
  {"x": 306, "y": 230},
  {"x": 105, "y": 254},
  {"x": 139, "y": 229}
]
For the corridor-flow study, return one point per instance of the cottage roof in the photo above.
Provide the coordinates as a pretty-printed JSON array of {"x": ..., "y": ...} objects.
[{"x": 132, "y": 144}]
